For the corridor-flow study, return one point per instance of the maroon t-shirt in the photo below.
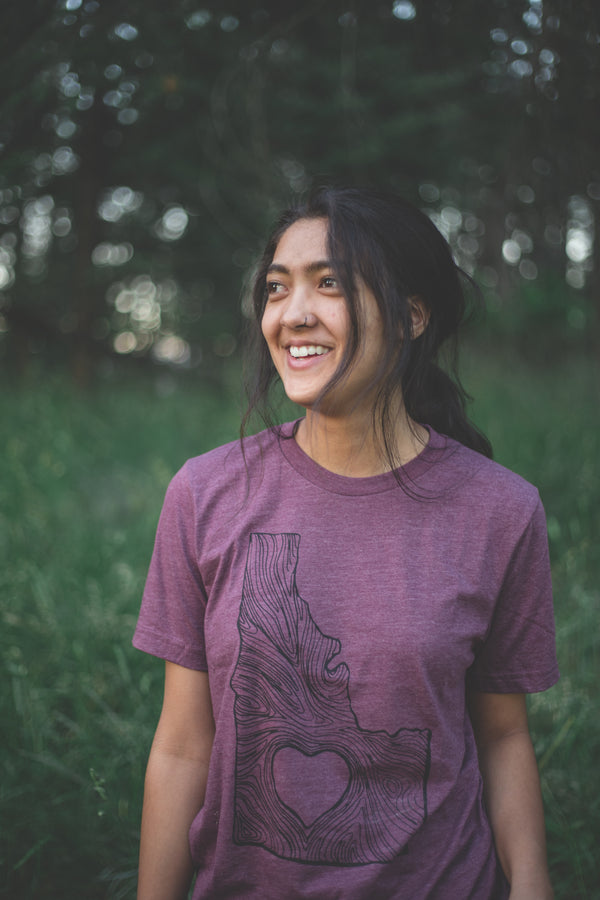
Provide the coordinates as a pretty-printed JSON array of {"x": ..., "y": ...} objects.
[{"x": 340, "y": 621}]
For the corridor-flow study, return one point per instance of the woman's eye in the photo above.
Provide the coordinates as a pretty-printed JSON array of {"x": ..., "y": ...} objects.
[
  {"x": 329, "y": 282},
  {"x": 274, "y": 287}
]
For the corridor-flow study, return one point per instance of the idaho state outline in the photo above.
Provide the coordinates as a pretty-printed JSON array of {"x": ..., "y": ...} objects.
[{"x": 289, "y": 697}]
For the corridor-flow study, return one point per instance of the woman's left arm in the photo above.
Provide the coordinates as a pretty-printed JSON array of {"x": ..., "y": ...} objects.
[{"x": 512, "y": 791}]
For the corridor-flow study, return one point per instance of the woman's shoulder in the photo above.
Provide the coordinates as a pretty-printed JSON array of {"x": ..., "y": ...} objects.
[
  {"x": 486, "y": 481},
  {"x": 231, "y": 460}
]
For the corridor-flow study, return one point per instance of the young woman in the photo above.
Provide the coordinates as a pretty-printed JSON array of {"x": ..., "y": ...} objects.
[{"x": 352, "y": 606}]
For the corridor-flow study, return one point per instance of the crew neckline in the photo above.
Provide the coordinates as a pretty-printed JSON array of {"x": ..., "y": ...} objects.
[{"x": 431, "y": 453}]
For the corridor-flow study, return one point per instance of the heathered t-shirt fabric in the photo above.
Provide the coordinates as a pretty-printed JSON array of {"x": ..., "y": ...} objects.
[{"x": 340, "y": 621}]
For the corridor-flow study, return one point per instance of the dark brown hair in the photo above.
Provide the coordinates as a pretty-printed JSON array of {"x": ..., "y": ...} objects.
[{"x": 397, "y": 251}]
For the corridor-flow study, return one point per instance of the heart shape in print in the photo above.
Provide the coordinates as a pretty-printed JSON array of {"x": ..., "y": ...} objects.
[{"x": 309, "y": 784}]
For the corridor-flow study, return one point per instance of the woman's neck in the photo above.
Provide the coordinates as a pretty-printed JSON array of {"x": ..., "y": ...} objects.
[{"x": 351, "y": 446}]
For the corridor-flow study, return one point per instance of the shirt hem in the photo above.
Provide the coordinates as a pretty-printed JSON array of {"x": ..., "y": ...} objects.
[
  {"x": 175, "y": 653},
  {"x": 517, "y": 684}
]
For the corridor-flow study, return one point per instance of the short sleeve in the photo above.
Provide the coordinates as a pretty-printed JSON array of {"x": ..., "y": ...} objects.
[
  {"x": 518, "y": 654},
  {"x": 171, "y": 620}
]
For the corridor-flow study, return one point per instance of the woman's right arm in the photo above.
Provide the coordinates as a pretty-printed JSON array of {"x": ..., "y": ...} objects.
[{"x": 175, "y": 784}]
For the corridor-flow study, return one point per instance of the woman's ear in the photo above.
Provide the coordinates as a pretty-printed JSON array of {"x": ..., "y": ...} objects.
[{"x": 419, "y": 315}]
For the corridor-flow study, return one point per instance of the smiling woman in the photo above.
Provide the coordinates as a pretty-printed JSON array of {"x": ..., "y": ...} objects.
[
  {"x": 307, "y": 329},
  {"x": 394, "y": 298},
  {"x": 351, "y": 606},
  {"x": 306, "y": 324}
]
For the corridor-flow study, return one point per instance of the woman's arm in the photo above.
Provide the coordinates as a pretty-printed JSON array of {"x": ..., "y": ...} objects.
[
  {"x": 512, "y": 791},
  {"x": 175, "y": 784}
]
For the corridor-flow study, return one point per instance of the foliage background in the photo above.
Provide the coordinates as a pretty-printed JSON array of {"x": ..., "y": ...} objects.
[{"x": 144, "y": 150}]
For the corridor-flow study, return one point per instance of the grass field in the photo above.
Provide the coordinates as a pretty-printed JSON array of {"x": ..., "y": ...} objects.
[{"x": 81, "y": 485}]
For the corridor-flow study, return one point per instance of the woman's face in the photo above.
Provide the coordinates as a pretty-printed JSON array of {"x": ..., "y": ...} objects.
[{"x": 307, "y": 327}]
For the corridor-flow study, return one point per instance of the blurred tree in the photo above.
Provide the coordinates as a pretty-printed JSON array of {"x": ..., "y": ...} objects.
[{"x": 144, "y": 149}]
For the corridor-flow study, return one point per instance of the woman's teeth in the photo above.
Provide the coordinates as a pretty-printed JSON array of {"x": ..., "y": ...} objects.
[{"x": 308, "y": 350}]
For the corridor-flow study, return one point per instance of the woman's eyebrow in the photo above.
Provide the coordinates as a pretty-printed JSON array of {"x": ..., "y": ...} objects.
[{"x": 309, "y": 268}]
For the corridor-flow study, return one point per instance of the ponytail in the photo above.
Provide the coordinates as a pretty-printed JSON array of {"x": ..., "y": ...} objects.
[{"x": 434, "y": 398}]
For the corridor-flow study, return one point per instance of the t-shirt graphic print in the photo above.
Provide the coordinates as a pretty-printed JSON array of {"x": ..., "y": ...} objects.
[{"x": 311, "y": 785}]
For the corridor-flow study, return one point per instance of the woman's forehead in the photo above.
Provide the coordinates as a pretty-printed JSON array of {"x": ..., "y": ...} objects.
[{"x": 303, "y": 241}]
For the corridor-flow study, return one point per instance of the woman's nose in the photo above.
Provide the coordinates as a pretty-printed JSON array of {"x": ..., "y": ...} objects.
[{"x": 298, "y": 311}]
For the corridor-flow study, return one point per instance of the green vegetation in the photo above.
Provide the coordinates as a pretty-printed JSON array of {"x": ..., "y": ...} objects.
[{"x": 81, "y": 487}]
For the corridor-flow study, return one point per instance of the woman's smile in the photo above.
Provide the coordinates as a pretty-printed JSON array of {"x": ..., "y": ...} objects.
[{"x": 304, "y": 350}]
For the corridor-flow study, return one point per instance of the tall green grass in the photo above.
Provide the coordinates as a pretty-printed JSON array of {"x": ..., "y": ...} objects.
[
  {"x": 81, "y": 485},
  {"x": 545, "y": 424}
]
